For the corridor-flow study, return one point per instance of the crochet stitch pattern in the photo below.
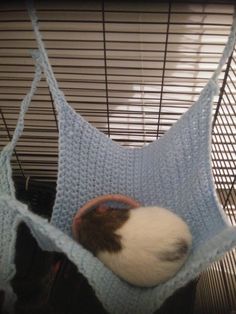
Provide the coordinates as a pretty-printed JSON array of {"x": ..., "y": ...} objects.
[{"x": 91, "y": 164}]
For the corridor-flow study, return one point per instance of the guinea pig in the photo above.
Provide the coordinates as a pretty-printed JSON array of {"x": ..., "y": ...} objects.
[{"x": 144, "y": 246}]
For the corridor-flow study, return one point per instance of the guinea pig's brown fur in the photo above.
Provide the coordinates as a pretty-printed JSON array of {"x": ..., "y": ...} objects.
[{"x": 96, "y": 230}]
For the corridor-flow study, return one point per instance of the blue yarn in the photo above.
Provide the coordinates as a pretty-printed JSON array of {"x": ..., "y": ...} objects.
[{"x": 173, "y": 172}]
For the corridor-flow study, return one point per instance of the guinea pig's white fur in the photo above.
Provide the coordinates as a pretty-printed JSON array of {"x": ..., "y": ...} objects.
[{"x": 155, "y": 244}]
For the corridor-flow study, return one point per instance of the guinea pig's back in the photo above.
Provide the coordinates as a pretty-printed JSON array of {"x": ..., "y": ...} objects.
[{"x": 149, "y": 225}]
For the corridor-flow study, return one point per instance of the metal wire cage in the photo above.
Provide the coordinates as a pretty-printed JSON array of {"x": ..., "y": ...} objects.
[{"x": 131, "y": 70}]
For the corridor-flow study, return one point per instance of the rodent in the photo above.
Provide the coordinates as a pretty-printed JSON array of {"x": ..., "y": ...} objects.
[{"x": 145, "y": 246}]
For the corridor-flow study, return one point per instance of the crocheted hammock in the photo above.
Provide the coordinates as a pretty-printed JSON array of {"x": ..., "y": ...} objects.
[{"x": 172, "y": 172}]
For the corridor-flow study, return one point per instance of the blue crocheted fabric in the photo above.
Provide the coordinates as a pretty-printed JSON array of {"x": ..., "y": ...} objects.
[{"x": 173, "y": 172}]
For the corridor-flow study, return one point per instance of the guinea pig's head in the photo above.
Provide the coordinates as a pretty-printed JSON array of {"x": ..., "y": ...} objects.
[{"x": 96, "y": 229}]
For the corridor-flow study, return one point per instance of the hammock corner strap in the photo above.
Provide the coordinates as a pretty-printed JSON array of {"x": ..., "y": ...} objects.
[{"x": 91, "y": 164}]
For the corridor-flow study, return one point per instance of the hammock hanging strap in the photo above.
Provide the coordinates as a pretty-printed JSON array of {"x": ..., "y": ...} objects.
[
  {"x": 6, "y": 183},
  {"x": 23, "y": 109},
  {"x": 229, "y": 47},
  {"x": 42, "y": 58}
]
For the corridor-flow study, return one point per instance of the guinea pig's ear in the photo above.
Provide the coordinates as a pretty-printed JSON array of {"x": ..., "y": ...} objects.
[{"x": 103, "y": 208}]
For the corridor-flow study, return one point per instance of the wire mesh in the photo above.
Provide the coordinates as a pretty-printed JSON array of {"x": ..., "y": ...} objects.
[{"x": 131, "y": 71}]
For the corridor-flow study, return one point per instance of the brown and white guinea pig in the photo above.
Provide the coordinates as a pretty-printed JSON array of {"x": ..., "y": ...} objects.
[{"x": 144, "y": 246}]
